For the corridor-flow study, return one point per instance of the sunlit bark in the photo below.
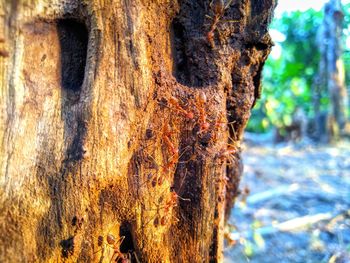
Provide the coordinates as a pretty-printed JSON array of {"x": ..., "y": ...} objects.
[{"x": 115, "y": 120}]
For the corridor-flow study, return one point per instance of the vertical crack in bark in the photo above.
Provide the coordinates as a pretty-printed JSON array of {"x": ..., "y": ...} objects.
[{"x": 73, "y": 37}]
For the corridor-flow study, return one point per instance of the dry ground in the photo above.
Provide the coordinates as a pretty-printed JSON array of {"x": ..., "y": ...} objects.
[{"x": 298, "y": 208}]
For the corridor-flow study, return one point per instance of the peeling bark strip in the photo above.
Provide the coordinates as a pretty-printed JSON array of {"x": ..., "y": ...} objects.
[{"x": 118, "y": 142}]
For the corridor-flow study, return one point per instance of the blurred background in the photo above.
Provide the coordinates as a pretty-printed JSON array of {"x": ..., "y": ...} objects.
[{"x": 294, "y": 202}]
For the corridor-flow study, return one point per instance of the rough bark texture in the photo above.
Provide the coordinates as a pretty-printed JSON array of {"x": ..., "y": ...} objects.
[{"x": 97, "y": 97}]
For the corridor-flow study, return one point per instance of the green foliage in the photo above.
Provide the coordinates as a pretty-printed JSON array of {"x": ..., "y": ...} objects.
[
  {"x": 287, "y": 79},
  {"x": 248, "y": 249},
  {"x": 256, "y": 244}
]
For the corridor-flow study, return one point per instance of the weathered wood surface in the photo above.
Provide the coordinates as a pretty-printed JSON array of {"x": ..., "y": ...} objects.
[{"x": 87, "y": 92}]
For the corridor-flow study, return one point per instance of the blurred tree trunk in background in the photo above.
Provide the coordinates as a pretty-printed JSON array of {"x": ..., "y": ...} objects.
[
  {"x": 331, "y": 73},
  {"x": 111, "y": 110},
  {"x": 319, "y": 89}
]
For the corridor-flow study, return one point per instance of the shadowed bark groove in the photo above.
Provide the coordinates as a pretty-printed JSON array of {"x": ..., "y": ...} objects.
[{"x": 116, "y": 140}]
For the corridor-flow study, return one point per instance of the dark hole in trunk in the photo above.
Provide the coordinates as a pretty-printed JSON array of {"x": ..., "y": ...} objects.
[
  {"x": 128, "y": 245},
  {"x": 189, "y": 52},
  {"x": 180, "y": 63},
  {"x": 73, "y": 36},
  {"x": 67, "y": 247}
]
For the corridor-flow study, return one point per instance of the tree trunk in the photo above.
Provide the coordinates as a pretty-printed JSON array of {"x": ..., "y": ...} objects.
[
  {"x": 124, "y": 118},
  {"x": 335, "y": 67},
  {"x": 320, "y": 88}
]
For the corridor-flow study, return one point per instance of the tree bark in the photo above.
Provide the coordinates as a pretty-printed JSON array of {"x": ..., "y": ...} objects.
[{"x": 124, "y": 118}]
